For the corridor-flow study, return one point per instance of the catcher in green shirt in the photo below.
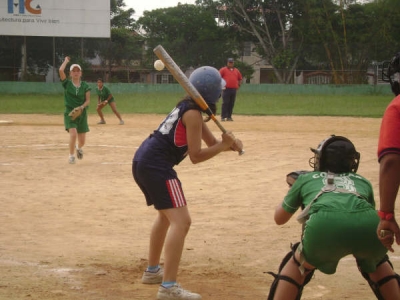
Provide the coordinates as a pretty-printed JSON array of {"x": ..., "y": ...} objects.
[
  {"x": 105, "y": 97},
  {"x": 76, "y": 94},
  {"x": 339, "y": 219}
]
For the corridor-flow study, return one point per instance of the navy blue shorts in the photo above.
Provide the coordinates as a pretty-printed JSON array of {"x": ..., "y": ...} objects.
[{"x": 160, "y": 185}]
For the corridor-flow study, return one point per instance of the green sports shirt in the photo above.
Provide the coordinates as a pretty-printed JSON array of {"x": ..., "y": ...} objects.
[
  {"x": 104, "y": 93},
  {"x": 308, "y": 185},
  {"x": 339, "y": 223},
  {"x": 74, "y": 96}
]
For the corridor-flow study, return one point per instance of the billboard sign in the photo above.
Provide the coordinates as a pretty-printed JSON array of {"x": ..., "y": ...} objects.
[{"x": 68, "y": 18}]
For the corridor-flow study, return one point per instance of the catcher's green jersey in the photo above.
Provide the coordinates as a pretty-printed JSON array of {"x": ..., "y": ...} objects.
[
  {"x": 307, "y": 186},
  {"x": 104, "y": 93},
  {"x": 74, "y": 96},
  {"x": 339, "y": 223}
]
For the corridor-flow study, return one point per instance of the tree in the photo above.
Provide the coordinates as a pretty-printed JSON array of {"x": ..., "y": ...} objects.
[
  {"x": 269, "y": 25},
  {"x": 121, "y": 18},
  {"x": 383, "y": 30},
  {"x": 125, "y": 45},
  {"x": 338, "y": 35},
  {"x": 190, "y": 33},
  {"x": 348, "y": 36}
]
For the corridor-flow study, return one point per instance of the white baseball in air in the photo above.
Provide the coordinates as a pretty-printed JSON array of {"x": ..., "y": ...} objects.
[{"x": 158, "y": 65}]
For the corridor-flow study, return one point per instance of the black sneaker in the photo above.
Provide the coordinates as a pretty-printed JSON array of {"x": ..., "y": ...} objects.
[{"x": 229, "y": 119}]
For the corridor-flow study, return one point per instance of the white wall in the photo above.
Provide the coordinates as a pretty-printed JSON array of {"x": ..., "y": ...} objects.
[{"x": 65, "y": 18}]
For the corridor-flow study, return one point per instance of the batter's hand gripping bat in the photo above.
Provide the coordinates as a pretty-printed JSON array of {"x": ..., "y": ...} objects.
[{"x": 187, "y": 85}]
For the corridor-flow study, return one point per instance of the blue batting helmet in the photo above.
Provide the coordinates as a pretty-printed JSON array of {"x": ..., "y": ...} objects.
[{"x": 208, "y": 83}]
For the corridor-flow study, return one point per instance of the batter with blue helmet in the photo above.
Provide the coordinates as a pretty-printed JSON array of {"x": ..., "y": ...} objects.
[{"x": 179, "y": 135}]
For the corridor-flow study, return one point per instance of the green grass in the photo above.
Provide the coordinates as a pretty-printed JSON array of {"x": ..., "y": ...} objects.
[
  {"x": 246, "y": 104},
  {"x": 312, "y": 105}
]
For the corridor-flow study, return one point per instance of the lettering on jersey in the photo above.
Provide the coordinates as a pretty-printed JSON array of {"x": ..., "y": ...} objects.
[
  {"x": 346, "y": 183},
  {"x": 342, "y": 181},
  {"x": 169, "y": 121}
]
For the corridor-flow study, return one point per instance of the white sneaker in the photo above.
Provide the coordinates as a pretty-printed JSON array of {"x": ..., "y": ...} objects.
[
  {"x": 121, "y": 122},
  {"x": 101, "y": 122},
  {"x": 71, "y": 159},
  {"x": 176, "y": 293},
  {"x": 153, "y": 277}
]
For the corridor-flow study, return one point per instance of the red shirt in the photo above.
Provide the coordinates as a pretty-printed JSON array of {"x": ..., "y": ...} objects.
[
  {"x": 231, "y": 76},
  {"x": 389, "y": 136}
]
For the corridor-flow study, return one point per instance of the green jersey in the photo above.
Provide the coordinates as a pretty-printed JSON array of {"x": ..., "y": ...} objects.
[
  {"x": 74, "y": 96},
  {"x": 104, "y": 93},
  {"x": 340, "y": 222},
  {"x": 308, "y": 185}
]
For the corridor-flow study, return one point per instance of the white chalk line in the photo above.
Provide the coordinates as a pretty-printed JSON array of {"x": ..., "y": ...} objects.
[
  {"x": 116, "y": 163},
  {"x": 60, "y": 145},
  {"x": 57, "y": 146},
  {"x": 64, "y": 273}
]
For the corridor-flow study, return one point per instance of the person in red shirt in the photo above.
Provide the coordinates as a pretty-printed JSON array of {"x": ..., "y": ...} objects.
[
  {"x": 389, "y": 159},
  {"x": 233, "y": 79}
]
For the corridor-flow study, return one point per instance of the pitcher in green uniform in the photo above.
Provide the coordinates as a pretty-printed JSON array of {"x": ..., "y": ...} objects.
[{"x": 76, "y": 94}]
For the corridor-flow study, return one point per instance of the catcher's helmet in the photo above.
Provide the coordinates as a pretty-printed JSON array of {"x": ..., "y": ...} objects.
[
  {"x": 390, "y": 69},
  {"x": 208, "y": 83},
  {"x": 336, "y": 154}
]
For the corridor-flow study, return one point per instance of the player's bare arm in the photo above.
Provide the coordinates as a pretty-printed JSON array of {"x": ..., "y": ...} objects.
[
  {"x": 281, "y": 216},
  {"x": 389, "y": 181},
  {"x": 193, "y": 121},
  {"x": 62, "y": 68},
  {"x": 388, "y": 229},
  {"x": 210, "y": 140}
]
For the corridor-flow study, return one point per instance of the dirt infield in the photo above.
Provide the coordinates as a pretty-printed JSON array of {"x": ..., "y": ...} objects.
[{"x": 81, "y": 231}]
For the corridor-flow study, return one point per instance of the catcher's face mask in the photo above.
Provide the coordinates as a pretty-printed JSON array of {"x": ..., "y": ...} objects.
[
  {"x": 391, "y": 73},
  {"x": 336, "y": 154}
]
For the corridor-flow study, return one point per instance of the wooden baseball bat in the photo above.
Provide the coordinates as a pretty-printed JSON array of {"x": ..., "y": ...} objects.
[{"x": 182, "y": 79}]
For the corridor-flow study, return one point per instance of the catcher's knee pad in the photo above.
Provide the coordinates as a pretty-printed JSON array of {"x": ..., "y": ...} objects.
[
  {"x": 308, "y": 274},
  {"x": 375, "y": 285}
]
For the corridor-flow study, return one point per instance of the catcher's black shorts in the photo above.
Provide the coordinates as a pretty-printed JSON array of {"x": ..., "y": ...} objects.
[{"x": 160, "y": 185}]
